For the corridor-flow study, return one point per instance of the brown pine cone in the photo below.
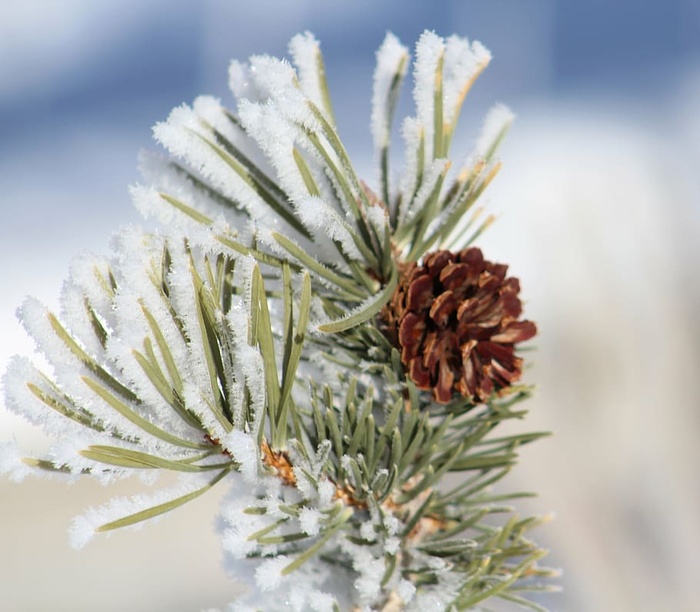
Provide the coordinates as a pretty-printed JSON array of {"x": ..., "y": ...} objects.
[{"x": 455, "y": 319}]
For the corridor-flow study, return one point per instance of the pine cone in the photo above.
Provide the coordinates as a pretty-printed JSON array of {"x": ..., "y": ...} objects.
[{"x": 455, "y": 320}]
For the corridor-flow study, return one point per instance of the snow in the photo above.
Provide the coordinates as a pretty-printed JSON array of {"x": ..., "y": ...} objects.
[
  {"x": 318, "y": 215},
  {"x": 268, "y": 575},
  {"x": 150, "y": 204},
  {"x": 429, "y": 49},
  {"x": 412, "y": 132},
  {"x": 245, "y": 451},
  {"x": 242, "y": 83},
  {"x": 276, "y": 136},
  {"x": 278, "y": 78},
  {"x": 378, "y": 219},
  {"x": 188, "y": 139},
  {"x": 310, "y": 520},
  {"x": 239, "y": 525},
  {"x": 85, "y": 526},
  {"x": 19, "y": 399},
  {"x": 326, "y": 491},
  {"x": 463, "y": 61},
  {"x": 306, "y": 53},
  {"x": 11, "y": 462},
  {"x": 496, "y": 123},
  {"x": 392, "y": 60},
  {"x": 431, "y": 175}
]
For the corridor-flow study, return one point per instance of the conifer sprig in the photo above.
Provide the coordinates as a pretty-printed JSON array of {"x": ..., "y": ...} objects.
[{"x": 308, "y": 341}]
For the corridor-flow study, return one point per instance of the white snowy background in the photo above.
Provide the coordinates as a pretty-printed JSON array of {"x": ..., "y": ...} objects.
[{"x": 599, "y": 206}]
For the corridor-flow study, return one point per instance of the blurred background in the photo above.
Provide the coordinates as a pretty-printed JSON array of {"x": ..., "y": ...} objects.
[{"x": 599, "y": 206}]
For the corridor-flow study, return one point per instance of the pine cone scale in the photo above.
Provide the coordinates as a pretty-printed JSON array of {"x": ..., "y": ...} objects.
[
  {"x": 443, "y": 307},
  {"x": 420, "y": 293}
]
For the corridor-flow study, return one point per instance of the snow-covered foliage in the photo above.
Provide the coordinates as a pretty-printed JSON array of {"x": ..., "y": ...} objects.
[{"x": 246, "y": 343}]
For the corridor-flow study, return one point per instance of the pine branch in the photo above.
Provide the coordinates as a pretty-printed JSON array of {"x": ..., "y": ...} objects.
[{"x": 330, "y": 353}]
